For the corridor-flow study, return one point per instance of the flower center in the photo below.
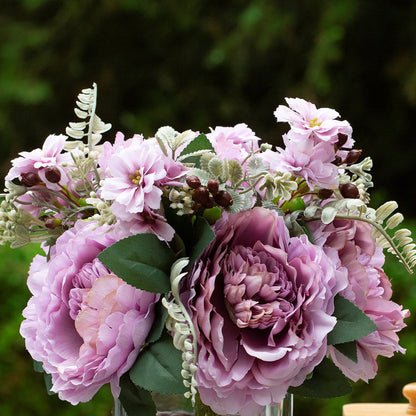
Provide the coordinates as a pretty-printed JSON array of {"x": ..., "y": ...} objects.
[
  {"x": 136, "y": 179},
  {"x": 313, "y": 122}
]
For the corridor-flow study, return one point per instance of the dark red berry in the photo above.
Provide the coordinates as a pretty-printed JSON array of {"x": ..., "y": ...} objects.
[
  {"x": 325, "y": 193},
  {"x": 352, "y": 156},
  {"x": 193, "y": 182},
  {"x": 349, "y": 190},
  {"x": 30, "y": 179},
  {"x": 53, "y": 174},
  {"x": 202, "y": 196},
  {"x": 213, "y": 186},
  {"x": 223, "y": 199}
]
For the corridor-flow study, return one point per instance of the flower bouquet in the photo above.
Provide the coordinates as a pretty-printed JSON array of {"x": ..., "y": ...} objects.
[{"x": 205, "y": 264}]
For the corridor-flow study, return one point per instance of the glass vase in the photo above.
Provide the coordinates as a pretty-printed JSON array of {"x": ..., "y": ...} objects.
[{"x": 284, "y": 408}]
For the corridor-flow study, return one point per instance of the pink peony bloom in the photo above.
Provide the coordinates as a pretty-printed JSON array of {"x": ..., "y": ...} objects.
[
  {"x": 39, "y": 160},
  {"x": 307, "y": 120},
  {"x": 305, "y": 158},
  {"x": 84, "y": 324},
  {"x": 369, "y": 289},
  {"x": 233, "y": 142},
  {"x": 261, "y": 303}
]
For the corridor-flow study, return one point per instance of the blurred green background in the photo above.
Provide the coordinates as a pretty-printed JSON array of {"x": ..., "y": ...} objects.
[{"x": 197, "y": 64}]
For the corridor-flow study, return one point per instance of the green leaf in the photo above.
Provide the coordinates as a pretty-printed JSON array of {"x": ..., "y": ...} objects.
[
  {"x": 203, "y": 235},
  {"x": 200, "y": 142},
  {"x": 349, "y": 349},
  {"x": 38, "y": 367},
  {"x": 135, "y": 400},
  {"x": 327, "y": 381},
  {"x": 161, "y": 313},
  {"x": 352, "y": 323},
  {"x": 158, "y": 368},
  {"x": 142, "y": 261}
]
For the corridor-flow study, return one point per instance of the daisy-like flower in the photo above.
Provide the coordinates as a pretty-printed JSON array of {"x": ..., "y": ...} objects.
[
  {"x": 309, "y": 121},
  {"x": 135, "y": 175}
]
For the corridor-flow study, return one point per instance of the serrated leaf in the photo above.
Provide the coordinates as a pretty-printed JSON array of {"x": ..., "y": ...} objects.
[
  {"x": 142, "y": 261},
  {"x": 327, "y": 381},
  {"x": 352, "y": 323},
  {"x": 235, "y": 171},
  {"x": 135, "y": 400},
  {"x": 255, "y": 166},
  {"x": 216, "y": 167},
  {"x": 200, "y": 142},
  {"x": 349, "y": 349},
  {"x": 163, "y": 362}
]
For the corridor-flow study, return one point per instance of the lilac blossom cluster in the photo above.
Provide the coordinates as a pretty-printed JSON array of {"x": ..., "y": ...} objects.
[{"x": 291, "y": 233}]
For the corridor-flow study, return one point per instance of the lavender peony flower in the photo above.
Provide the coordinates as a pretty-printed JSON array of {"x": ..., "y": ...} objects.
[
  {"x": 261, "y": 303},
  {"x": 83, "y": 323},
  {"x": 369, "y": 289}
]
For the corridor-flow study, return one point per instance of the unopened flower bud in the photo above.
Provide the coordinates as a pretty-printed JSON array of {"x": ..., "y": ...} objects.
[
  {"x": 352, "y": 156},
  {"x": 52, "y": 174},
  {"x": 349, "y": 190},
  {"x": 52, "y": 222},
  {"x": 342, "y": 139},
  {"x": 213, "y": 186},
  {"x": 193, "y": 182},
  {"x": 325, "y": 193},
  {"x": 30, "y": 179},
  {"x": 337, "y": 161},
  {"x": 223, "y": 199}
]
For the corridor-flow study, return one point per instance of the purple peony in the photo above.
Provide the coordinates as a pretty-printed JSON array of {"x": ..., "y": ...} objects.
[
  {"x": 368, "y": 288},
  {"x": 261, "y": 303},
  {"x": 84, "y": 324}
]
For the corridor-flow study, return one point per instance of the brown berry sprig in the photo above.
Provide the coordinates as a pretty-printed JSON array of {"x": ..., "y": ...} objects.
[{"x": 209, "y": 195}]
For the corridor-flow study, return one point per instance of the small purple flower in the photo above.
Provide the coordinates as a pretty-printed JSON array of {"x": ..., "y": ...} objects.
[
  {"x": 38, "y": 162},
  {"x": 233, "y": 142},
  {"x": 261, "y": 303},
  {"x": 84, "y": 324},
  {"x": 305, "y": 158},
  {"x": 368, "y": 288},
  {"x": 307, "y": 120}
]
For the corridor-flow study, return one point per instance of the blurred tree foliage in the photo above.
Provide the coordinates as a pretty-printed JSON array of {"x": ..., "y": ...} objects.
[
  {"x": 196, "y": 64},
  {"x": 199, "y": 63}
]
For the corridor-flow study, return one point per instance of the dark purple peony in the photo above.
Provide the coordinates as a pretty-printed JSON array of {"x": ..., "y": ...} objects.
[{"x": 261, "y": 303}]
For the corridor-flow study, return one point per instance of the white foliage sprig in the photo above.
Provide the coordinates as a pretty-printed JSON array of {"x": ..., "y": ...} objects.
[
  {"x": 179, "y": 323},
  {"x": 91, "y": 125}
]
